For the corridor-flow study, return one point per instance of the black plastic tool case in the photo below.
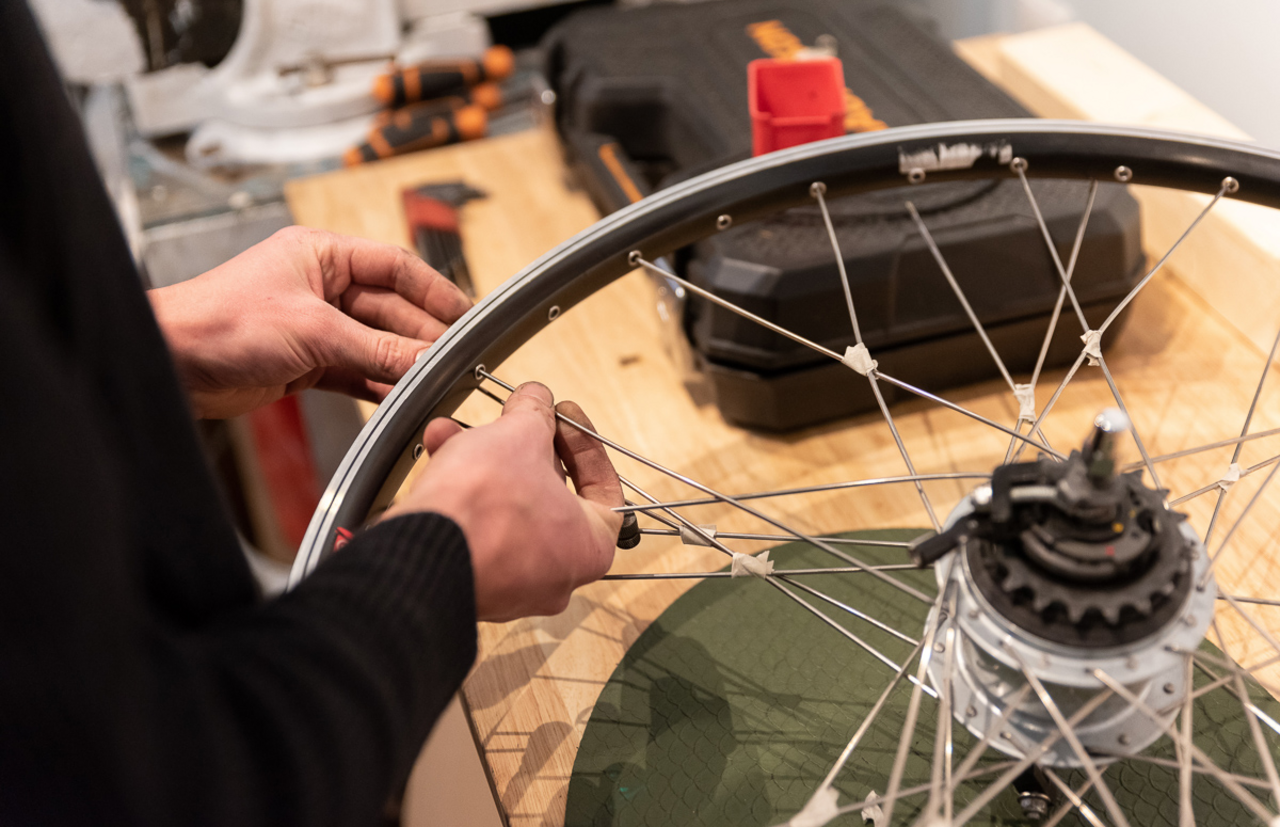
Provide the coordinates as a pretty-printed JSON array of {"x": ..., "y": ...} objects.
[{"x": 653, "y": 95}]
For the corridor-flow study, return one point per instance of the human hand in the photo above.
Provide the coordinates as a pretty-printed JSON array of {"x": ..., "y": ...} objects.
[
  {"x": 532, "y": 540},
  {"x": 304, "y": 308}
]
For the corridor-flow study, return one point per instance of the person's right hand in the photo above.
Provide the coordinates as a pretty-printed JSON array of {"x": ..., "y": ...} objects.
[{"x": 532, "y": 540}]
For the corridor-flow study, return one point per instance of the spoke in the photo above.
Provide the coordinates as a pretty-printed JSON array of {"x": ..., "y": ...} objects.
[
  {"x": 1053, "y": 400},
  {"x": 1074, "y": 799},
  {"x": 811, "y": 489},
  {"x": 1261, "y": 601},
  {"x": 705, "y": 575},
  {"x": 1186, "y": 812},
  {"x": 1173, "y": 765},
  {"x": 953, "y": 406},
  {"x": 733, "y": 308},
  {"x": 868, "y": 648},
  {"x": 1235, "y": 455},
  {"x": 996, "y": 726},
  {"x": 1069, "y": 733},
  {"x": 637, "y": 259},
  {"x": 843, "y": 541},
  {"x": 902, "y": 448},
  {"x": 955, "y": 288},
  {"x": 1259, "y": 740},
  {"x": 1199, "y": 492},
  {"x": 711, "y": 540},
  {"x": 1133, "y": 426},
  {"x": 1063, "y": 274},
  {"x": 861, "y": 615},
  {"x": 827, "y": 547},
  {"x": 818, "y": 190},
  {"x": 1257, "y": 627},
  {"x": 876, "y": 801},
  {"x": 1204, "y": 579},
  {"x": 998, "y": 786},
  {"x": 1222, "y": 443},
  {"x": 1226, "y": 663},
  {"x": 945, "y": 598},
  {"x": 939, "y": 793},
  {"x": 869, "y": 720},
  {"x": 1224, "y": 778},
  {"x": 1228, "y": 185}
]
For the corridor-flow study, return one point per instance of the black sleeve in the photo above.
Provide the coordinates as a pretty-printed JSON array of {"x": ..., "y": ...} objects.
[
  {"x": 305, "y": 710},
  {"x": 141, "y": 682}
]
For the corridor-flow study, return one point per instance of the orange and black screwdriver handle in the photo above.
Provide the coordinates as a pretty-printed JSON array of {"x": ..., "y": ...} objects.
[
  {"x": 419, "y": 127},
  {"x": 439, "y": 78}
]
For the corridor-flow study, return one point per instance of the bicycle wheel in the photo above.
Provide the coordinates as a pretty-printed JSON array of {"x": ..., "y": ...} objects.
[{"x": 1048, "y": 639}]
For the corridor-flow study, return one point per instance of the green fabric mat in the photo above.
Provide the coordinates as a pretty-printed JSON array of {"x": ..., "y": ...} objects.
[{"x": 734, "y": 704}]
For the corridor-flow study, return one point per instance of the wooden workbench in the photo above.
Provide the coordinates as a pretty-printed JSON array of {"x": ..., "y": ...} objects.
[{"x": 536, "y": 681}]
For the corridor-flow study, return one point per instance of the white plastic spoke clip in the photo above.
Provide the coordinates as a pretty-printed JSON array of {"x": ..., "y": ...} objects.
[
  {"x": 692, "y": 538},
  {"x": 1093, "y": 346},
  {"x": 745, "y": 565},
  {"x": 859, "y": 358}
]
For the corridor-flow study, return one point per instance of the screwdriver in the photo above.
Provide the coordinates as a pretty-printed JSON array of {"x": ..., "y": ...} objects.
[
  {"x": 439, "y": 78},
  {"x": 419, "y": 127},
  {"x": 488, "y": 95}
]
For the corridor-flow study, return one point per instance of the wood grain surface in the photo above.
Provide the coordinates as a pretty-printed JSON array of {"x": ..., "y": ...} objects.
[{"x": 1187, "y": 369}]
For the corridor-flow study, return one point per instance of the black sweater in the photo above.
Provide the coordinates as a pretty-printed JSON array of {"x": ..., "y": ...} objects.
[{"x": 141, "y": 681}]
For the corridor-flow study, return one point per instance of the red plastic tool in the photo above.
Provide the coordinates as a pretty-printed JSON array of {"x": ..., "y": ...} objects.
[{"x": 794, "y": 102}]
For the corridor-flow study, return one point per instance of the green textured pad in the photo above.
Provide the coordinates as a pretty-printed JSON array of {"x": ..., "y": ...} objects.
[{"x": 734, "y": 704}]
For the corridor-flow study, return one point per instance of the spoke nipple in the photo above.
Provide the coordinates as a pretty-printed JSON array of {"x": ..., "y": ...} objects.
[
  {"x": 915, "y": 175},
  {"x": 970, "y": 711},
  {"x": 1123, "y": 174},
  {"x": 417, "y": 451},
  {"x": 1007, "y": 735},
  {"x": 480, "y": 372},
  {"x": 939, "y": 647},
  {"x": 1124, "y": 739},
  {"x": 1018, "y": 165},
  {"x": 1168, "y": 688},
  {"x": 1230, "y": 185},
  {"x": 553, "y": 313},
  {"x": 634, "y": 258},
  {"x": 817, "y": 188},
  {"x": 724, "y": 221},
  {"x": 1190, "y": 620},
  {"x": 1132, "y": 662}
]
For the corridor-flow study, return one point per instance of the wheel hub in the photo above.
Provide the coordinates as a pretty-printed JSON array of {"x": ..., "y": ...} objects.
[{"x": 1063, "y": 568}]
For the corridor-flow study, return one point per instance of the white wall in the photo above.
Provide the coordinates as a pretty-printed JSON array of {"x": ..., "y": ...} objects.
[{"x": 1225, "y": 53}]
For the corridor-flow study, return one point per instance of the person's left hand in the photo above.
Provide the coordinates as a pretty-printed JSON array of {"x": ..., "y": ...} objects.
[{"x": 304, "y": 308}]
